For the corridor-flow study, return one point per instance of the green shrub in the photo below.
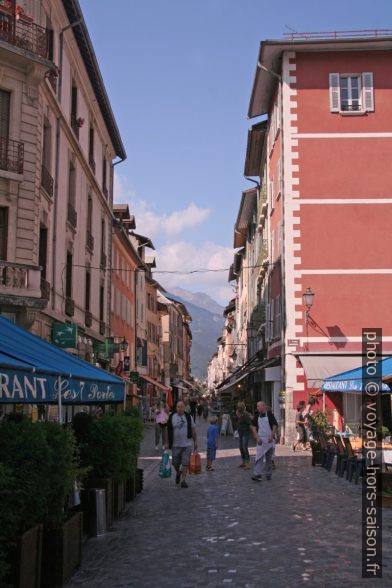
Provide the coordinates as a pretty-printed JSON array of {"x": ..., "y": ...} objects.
[
  {"x": 319, "y": 423},
  {"x": 113, "y": 445},
  {"x": 9, "y": 517},
  {"x": 385, "y": 432},
  {"x": 63, "y": 471}
]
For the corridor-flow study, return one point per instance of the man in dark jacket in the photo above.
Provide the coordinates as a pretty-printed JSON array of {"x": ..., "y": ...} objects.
[{"x": 181, "y": 433}]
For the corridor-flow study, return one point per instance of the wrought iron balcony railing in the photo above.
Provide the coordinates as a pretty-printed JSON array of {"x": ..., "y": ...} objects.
[
  {"x": 88, "y": 318},
  {"x": 11, "y": 155},
  {"x": 24, "y": 34},
  {"x": 72, "y": 216},
  {"x": 92, "y": 162},
  {"x": 74, "y": 125},
  {"x": 47, "y": 181},
  {"x": 69, "y": 307}
]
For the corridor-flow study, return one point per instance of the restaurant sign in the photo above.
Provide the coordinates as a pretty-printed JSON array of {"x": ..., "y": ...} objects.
[
  {"x": 65, "y": 335},
  {"x": 19, "y": 387}
]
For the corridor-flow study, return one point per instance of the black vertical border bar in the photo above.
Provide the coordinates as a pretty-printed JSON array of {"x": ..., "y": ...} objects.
[{"x": 372, "y": 452}]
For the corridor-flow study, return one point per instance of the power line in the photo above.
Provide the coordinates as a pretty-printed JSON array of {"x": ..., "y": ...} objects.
[{"x": 175, "y": 272}]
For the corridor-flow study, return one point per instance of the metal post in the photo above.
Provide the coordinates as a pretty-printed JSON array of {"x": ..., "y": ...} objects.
[{"x": 60, "y": 416}]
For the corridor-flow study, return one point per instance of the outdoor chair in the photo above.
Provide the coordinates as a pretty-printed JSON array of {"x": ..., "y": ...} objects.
[
  {"x": 328, "y": 452},
  {"x": 354, "y": 463},
  {"x": 342, "y": 457}
]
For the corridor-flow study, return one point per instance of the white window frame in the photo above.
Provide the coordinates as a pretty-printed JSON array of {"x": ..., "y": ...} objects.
[{"x": 366, "y": 93}]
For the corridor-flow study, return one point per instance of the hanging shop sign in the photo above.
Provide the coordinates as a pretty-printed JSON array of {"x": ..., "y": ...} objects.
[{"x": 65, "y": 335}]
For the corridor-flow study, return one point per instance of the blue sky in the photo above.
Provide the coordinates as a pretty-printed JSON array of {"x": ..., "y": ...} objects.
[{"x": 179, "y": 75}]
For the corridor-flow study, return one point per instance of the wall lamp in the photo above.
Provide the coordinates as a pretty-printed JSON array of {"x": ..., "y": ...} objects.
[{"x": 308, "y": 296}]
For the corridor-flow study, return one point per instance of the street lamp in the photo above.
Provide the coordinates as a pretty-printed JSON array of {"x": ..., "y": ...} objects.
[{"x": 308, "y": 296}]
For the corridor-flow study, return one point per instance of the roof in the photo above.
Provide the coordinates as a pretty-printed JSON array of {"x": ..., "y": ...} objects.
[
  {"x": 270, "y": 55},
  {"x": 74, "y": 13},
  {"x": 150, "y": 260},
  {"x": 30, "y": 368},
  {"x": 247, "y": 207},
  {"x": 229, "y": 308},
  {"x": 254, "y": 149}
]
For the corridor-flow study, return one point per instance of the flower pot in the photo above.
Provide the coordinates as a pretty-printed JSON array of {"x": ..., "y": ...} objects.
[
  {"x": 130, "y": 489},
  {"x": 62, "y": 551},
  {"x": 25, "y": 560}
]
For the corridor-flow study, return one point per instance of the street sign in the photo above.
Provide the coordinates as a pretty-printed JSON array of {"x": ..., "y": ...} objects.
[{"x": 65, "y": 335}]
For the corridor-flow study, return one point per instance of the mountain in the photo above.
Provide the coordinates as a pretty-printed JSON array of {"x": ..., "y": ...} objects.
[
  {"x": 199, "y": 299},
  {"x": 206, "y": 327}
]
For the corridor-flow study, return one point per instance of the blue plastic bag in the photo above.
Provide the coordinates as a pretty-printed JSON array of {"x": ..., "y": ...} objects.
[{"x": 165, "y": 466}]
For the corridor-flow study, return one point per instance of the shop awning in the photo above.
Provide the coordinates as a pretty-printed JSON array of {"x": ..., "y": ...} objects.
[
  {"x": 352, "y": 381},
  {"x": 318, "y": 367},
  {"x": 155, "y": 383},
  {"x": 188, "y": 384},
  {"x": 30, "y": 368}
]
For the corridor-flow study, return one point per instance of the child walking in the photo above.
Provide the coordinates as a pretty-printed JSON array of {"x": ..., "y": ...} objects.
[{"x": 212, "y": 442}]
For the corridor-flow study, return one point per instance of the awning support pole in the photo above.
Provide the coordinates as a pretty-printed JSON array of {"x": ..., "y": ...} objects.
[{"x": 60, "y": 415}]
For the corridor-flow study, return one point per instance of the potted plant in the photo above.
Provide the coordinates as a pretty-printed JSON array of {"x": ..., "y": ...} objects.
[
  {"x": 318, "y": 424},
  {"x": 24, "y": 487},
  {"x": 62, "y": 547}
]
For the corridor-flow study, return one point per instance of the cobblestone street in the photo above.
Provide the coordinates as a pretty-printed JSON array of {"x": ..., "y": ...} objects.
[{"x": 301, "y": 528}]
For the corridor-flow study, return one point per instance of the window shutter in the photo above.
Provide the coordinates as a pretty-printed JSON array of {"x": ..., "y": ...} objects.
[
  {"x": 267, "y": 322},
  {"x": 368, "y": 92},
  {"x": 280, "y": 177},
  {"x": 271, "y": 318},
  {"x": 334, "y": 92}
]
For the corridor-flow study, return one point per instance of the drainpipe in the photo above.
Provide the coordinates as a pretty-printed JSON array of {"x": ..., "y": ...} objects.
[{"x": 57, "y": 157}]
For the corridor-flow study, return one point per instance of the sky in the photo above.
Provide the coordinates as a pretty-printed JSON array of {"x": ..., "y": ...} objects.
[{"x": 179, "y": 75}]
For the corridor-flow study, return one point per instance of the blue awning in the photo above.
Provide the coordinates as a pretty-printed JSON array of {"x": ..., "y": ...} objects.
[
  {"x": 30, "y": 367},
  {"x": 352, "y": 380}
]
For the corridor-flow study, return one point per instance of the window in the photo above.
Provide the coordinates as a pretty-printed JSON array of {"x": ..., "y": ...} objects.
[
  {"x": 271, "y": 195},
  {"x": 351, "y": 92},
  {"x": 71, "y": 183},
  {"x": 103, "y": 240},
  {"x": 280, "y": 177},
  {"x": 74, "y": 103},
  {"x": 91, "y": 148},
  {"x": 101, "y": 302},
  {"x": 3, "y": 232},
  {"x": 104, "y": 177},
  {"x": 87, "y": 294},
  {"x": 46, "y": 146},
  {"x": 276, "y": 317},
  {"x": 5, "y": 99},
  {"x": 89, "y": 213},
  {"x": 118, "y": 303},
  {"x": 68, "y": 275},
  {"x": 43, "y": 250}
]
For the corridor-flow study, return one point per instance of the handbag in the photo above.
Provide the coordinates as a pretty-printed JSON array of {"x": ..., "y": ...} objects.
[
  {"x": 195, "y": 463},
  {"x": 165, "y": 466}
]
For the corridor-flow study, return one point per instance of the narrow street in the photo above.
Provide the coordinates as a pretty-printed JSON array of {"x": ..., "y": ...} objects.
[{"x": 226, "y": 529}]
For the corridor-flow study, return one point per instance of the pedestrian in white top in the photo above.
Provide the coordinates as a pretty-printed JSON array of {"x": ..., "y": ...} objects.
[{"x": 263, "y": 429}]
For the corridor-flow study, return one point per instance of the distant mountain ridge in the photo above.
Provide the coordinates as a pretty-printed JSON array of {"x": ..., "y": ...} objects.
[
  {"x": 199, "y": 299},
  {"x": 206, "y": 327}
]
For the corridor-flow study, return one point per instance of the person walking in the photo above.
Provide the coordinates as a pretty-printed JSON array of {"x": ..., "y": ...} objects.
[
  {"x": 300, "y": 426},
  {"x": 193, "y": 405},
  {"x": 212, "y": 442},
  {"x": 181, "y": 435},
  {"x": 161, "y": 418},
  {"x": 244, "y": 421},
  {"x": 264, "y": 427}
]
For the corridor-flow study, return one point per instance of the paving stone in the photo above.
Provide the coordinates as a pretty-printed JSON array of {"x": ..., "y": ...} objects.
[{"x": 301, "y": 529}]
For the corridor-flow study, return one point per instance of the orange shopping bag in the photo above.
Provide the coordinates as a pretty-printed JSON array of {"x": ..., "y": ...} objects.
[{"x": 195, "y": 463}]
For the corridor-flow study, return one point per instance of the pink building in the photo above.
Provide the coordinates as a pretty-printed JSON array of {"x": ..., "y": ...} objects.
[{"x": 326, "y": 165}]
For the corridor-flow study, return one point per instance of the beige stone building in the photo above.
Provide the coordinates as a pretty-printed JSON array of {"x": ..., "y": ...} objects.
[{"x": 58, "y": 141}]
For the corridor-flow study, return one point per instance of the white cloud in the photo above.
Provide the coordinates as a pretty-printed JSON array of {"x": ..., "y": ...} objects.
[
  {"x": 152, "y": 224},
  {"x": 183, "y": 256}
]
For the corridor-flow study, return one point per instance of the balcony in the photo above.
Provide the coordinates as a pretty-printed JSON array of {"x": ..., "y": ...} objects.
[
  {"x": 103, "y": 260},
  {"x": 72, "y": 216},
  {"x": 88, "y": 318},
  {"x": 21, "y": 32},
  {"x": 90, "y": 241},
  {"x": 11, "y": 155},
  {"x": 19, "y": 279},
  {"x": 69, "y": 307},
  {"x": 92, "y": 162},
  {"x": 47, "y": 181}
]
